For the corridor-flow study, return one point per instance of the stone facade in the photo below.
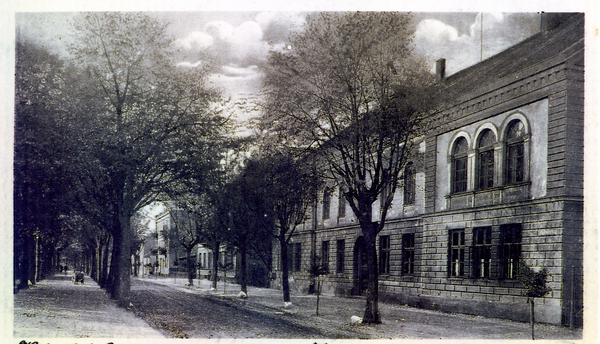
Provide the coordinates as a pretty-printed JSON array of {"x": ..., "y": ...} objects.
[{"x": 455, "y": 247}]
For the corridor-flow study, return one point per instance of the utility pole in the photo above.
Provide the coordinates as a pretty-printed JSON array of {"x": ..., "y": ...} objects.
[
  {"x": 481, "y": 39},
  {"x": 157, "y": 250}
]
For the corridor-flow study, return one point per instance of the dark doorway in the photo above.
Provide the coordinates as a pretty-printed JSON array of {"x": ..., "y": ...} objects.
[
  {"x": 360, "y": 267},
  {"x": 258, "y": 276}
]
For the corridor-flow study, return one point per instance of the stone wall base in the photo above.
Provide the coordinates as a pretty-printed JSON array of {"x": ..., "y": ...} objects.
[{"x": 493, "y": 309}]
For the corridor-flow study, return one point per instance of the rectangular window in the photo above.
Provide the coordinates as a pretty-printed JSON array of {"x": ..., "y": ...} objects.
[
  {"x": 457, "y": 253},
  {"x": 325, "y": 255},
  {"x": 297, "y": 256},
  {"x": 294, "y": 256},
  {"x": 510, "y": 250},
  {"x": 341, "y": 247},
  {"x": 385, "y": 193},
  {"x": 384, "y": 254},
  {"x": 227, "y": 260},
  {"x": 326, "y": 203},
  {"x": 486, "y": 169},
  {"x": 515, "y": 162},
  {"x": 342, "y": 204},
  {"x": 408, "y": 254},
  {"x": 459, "y": 180},
  {"x": 482, "y": 252},
  {"x": 409, "y": 184}
]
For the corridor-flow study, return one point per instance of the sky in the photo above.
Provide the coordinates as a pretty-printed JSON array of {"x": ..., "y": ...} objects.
[{"x": 239, "y": 41}]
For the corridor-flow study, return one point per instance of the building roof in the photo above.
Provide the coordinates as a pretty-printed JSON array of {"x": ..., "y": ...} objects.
[{"x": 565, "y": 31}]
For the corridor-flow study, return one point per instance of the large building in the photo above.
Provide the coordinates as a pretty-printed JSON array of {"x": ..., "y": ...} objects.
[{"x": 498, "y": 182}]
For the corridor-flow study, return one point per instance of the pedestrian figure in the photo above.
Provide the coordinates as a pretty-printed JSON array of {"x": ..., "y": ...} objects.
[{"x": 78, "y": 277}]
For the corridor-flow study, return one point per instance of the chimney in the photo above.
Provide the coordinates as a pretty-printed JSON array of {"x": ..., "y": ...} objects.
[{"x": 440, "y": 69}]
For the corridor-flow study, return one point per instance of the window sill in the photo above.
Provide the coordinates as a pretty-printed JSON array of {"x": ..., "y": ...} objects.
[
  {"x": 490, "y": 196},
  {"x": 457, "y": 278}
]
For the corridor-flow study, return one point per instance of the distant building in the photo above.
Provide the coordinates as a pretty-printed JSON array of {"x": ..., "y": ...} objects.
[
  {"x": 161, "y": 255},
  {"x": 154, "y": 253},
  {"x": 499, "y": 182}
]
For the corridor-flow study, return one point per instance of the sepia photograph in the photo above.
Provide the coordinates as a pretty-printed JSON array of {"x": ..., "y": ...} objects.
[{"x": 310, "y": 173}]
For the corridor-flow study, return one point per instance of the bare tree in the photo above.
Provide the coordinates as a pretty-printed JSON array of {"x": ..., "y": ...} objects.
[
  {"x": 348, "y": 89},
  {"x": 279, "y": 191}
]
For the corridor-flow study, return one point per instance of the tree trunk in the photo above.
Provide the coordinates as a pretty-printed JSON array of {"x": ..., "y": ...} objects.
[
  {"x": 30, "y": 257},
  {"x": 372, "y": 308},
  {"x": 36, "y": 252},
  {"x": 532, "y": 316},
  {"x": 104, "y": 273},
  {"x": 318, "y": 293},
  {"x": 243, "y": 277},
  {"x": 285, "y": 283},
  {"x": 136, "y": 267},
  {"x": 190, "y": 266},
  {"x": 97, "y": 258},
  {"x": 215, "y": 264},
  {"x": 26, "y": 260},
  {"x": 18, "y": 261},
  {"x": 94, "y": 261},
  {"x": 113, "y": 268},
  {"x": 123, "y": 258}
]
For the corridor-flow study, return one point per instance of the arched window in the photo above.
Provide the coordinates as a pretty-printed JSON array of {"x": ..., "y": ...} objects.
[
  {"x": 409, "y": 184},
  {"x": 515, "y": 152},
  {"x": 485, "y": 159},
  {"x": 459, "y": 165}
]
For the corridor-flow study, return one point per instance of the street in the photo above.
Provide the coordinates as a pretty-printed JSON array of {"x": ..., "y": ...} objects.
[
  {"x": 191, "y": 315},
  {"x": 264, "y": 314}
]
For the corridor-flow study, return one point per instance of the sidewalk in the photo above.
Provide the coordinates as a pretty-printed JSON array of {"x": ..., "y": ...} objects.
[
  {"x": 399, "y": 322},
  {"x": 57, "y": 308}
]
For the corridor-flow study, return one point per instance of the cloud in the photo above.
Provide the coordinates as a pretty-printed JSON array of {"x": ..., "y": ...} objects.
[
  {"x": 236, "y": 50},
  {"x": 191, "y": 64},
  {"x": 244, "y": 44},
  {"x": 227, "y": 44},
  {"x": 240, "y": 72},
  {"x": 277, "y": 25},
  {"x": 436, "y": 39},
  {"x": 196, "y": 40},
  {"x": 435, "y": 31},
  {"x": 235, "y": 80}
]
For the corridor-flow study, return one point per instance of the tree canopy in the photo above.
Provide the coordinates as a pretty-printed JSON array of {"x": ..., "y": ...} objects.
[
  {"x": 156, "y": 123},
  {"x": 132, "y": 123},
  {"x": 41, "y": 162},
  {"x": 349, "y": 92},
  {"x": 277, "y": 193}
]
